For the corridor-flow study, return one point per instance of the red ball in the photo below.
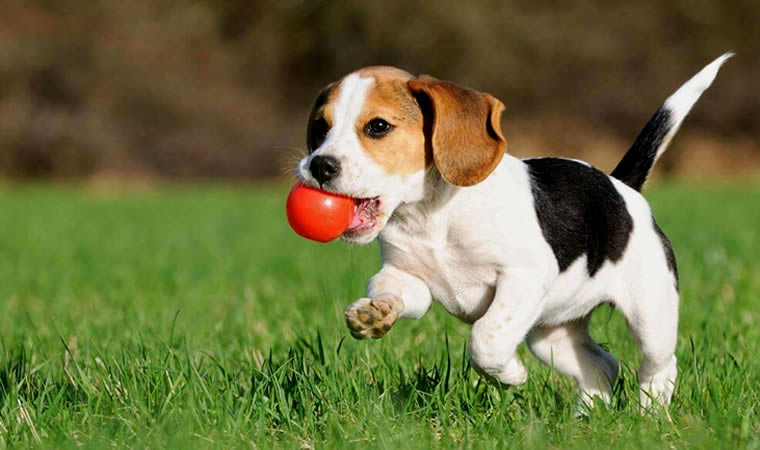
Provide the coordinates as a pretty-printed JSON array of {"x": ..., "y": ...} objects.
[{"x": 318, "y": 215}]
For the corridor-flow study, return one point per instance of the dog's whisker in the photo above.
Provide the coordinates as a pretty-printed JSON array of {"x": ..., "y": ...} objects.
[
  {"x": 299, "y": 150},
  {"x": 290, "y": 173}
]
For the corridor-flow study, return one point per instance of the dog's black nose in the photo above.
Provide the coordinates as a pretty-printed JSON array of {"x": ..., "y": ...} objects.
[{"x": 324, "y": 168}]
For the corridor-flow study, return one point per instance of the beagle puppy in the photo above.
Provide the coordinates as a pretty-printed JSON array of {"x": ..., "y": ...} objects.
[{"x": 524, "y": 250}]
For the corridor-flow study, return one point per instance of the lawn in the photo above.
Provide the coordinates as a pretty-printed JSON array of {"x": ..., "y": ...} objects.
[{"x": 193, "y": 317}]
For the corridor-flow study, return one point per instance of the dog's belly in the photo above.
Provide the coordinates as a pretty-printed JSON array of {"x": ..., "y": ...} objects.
[
  {"x": 574, "y": 294},
  {"x": 466, "y": 301}
]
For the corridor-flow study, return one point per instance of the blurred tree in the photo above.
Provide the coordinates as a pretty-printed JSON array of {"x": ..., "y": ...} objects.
[{"x": 220, "y": 88}]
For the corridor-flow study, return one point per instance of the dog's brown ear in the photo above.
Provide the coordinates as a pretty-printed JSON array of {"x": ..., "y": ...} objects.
[{"x": 463, "y": 128}]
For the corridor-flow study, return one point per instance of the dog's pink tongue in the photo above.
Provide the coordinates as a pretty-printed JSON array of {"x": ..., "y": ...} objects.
[
  {"x": 360, "y": 218},
  {"x": 357, "y": 221}
]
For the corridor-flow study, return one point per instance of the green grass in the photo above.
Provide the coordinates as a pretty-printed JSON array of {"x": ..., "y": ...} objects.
[{"x": 194, "y": 317}]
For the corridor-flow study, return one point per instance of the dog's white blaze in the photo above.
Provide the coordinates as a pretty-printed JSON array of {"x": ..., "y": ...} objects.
[
  {"x": 341, "y": 141},
  {"x": 353, "y": 92}
]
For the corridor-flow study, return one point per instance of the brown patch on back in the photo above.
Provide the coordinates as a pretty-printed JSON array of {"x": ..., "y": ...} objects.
[{"x": 402, "y": 151}]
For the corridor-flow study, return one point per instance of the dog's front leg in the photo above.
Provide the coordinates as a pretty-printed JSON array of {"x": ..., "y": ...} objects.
[
  {"x": 496, "y": 335},
  {"x": 391, "y": 293}
]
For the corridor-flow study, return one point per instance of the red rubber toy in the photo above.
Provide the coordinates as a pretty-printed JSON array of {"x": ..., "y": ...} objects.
[{"x": 318, "y": 215}]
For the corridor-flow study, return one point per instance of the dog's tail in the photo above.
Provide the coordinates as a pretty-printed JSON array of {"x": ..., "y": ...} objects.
[{"x": 652, "y": 141}]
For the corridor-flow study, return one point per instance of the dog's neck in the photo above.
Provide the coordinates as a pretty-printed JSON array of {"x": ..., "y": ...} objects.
[
  {"x": 414, "y": 217},
  {"x": 420, "y": 217}
]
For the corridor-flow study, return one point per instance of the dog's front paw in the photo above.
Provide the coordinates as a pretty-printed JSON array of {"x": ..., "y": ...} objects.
[{"x": 372, "y": 317}]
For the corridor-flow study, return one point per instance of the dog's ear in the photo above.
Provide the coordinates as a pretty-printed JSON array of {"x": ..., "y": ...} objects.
[{"x": 462, "y": 129}]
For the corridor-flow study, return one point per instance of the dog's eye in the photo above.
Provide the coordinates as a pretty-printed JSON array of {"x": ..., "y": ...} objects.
[
  {"x": 318, "y": 130},
  {"x": 377, "y": 128}
]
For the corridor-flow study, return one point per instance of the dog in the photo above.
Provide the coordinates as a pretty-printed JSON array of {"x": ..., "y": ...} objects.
[{"x": 522, "y": 249}]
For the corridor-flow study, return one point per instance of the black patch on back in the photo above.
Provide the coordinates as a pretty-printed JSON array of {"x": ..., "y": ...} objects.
[
  {"x": 669, "y": 255},
  {"x": 580, "y": 212},
  {"x": 634, "y": 168}
]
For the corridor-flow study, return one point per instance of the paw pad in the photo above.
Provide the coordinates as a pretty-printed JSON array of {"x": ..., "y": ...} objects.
[{"x": 371, "y": 318}]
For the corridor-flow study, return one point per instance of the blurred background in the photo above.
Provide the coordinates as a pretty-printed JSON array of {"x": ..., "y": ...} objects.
[{"x": 210, "y": 89}]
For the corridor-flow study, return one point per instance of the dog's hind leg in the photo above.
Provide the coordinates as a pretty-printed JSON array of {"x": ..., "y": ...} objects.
[
  {"x": 569, "y": 349},
  {"x": 654, "y": 325}
]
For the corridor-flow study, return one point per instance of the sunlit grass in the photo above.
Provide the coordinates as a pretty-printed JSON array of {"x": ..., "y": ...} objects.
[{"x": 194, "y": 317}]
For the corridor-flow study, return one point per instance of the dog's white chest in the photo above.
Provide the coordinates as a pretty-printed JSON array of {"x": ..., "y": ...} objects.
[{"x": 457, "y": 279}]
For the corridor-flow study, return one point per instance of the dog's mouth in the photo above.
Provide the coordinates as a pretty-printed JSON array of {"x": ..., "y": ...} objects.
[{"x": 366, "y": 212}]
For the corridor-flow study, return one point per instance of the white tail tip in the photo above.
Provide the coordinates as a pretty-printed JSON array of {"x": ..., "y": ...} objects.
[{"x": 683, "y": 99}]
